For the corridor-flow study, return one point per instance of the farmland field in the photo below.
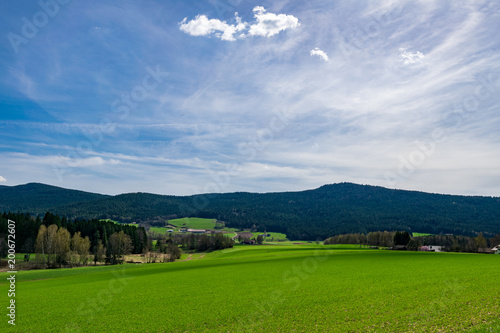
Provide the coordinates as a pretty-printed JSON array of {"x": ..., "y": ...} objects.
[
  {"x": 193, "y": 222},
  {"x": 301, "y": 288},
  {"x": 160, "y": 230},
  {"x": 276, "y": 236}
]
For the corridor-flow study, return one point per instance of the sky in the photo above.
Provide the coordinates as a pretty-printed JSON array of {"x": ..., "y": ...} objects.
[{"x": 187, "y": 97}]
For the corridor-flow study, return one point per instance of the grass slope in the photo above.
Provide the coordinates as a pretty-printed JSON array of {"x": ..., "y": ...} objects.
[
  {"x": 193, "y": 223},
  {"x": 301, "y": 288}
]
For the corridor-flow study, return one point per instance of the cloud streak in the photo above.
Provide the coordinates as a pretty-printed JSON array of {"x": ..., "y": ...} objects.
[{"x": 320, "y": 53}]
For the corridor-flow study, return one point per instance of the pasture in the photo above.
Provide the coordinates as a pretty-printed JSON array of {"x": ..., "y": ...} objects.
[
  {"x": 193, "y": 222},
  {"x": 301, "y": 288}
]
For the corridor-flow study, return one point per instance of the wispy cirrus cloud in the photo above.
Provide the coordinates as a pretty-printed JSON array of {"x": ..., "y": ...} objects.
[
  {"x": 350, "y": 119},
  {"x": 408, "y": 57},
  {"x": 320, "y": 53},
  {"x": 265, "y": 25}
]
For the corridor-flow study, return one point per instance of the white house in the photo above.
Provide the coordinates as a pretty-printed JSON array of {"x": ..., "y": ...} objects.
[
  {"x": 496, "y": 249},
  {"x": 435, "y": 248}
]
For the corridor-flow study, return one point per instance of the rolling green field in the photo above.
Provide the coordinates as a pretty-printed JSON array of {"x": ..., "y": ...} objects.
[
  {"x": 193, "y": 222},
  {"x": 269, "y": 288}
]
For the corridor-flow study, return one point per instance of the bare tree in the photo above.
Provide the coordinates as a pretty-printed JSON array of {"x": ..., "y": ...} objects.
[
  {"x": 100, "y": 252},
  {"x": 81, "y": 247},
  {"x": 119, "y": 244}
]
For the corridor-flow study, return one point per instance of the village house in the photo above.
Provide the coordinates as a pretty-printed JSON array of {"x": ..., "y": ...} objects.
[
  {"x": 431, "y": 248},
  {"x": 496, "y": 249},
  {"x": 436, "y": 248}
]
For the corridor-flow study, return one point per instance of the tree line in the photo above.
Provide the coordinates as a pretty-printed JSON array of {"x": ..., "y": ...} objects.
[
  {"x": 56, "y": 247},
  {"x": 203, "y": 242},
  {"x": 452, "y": 243},
  {"x": 61, "y": 241}
]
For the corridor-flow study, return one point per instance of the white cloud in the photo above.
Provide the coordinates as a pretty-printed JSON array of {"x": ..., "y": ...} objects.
[
  {"x": 267, "y": 25},
  {"x": 2, "y": 179},
  {"x": 202, "y": 26},
  {"x": 407, "y": 57},
  {"x": 322, "y": 54}
]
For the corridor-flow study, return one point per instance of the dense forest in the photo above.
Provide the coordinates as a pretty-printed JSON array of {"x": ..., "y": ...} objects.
[{"x": 308, "y": 215}]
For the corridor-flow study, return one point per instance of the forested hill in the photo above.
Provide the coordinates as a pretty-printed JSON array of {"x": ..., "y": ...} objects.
[
  {"x": 311, "y": 214},
  {"x": 38, "y": 198}
]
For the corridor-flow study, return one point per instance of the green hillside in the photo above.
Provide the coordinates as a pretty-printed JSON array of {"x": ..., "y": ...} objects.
[
  {"x": 308, "y": 215},
  {"x": 38, "y": 198}
]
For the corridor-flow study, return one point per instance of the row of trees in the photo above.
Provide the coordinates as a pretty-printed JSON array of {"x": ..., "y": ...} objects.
[
  {"x": 452, "y": 243},
  {"x": 203, "y": 242},
  {"x": 57, "y": 247},
  {"x": 27, "y": 228},
  {"x": 375, "y": 238}
]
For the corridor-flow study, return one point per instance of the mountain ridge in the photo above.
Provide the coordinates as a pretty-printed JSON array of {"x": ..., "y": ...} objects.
[{"x": 309, "y": 214}]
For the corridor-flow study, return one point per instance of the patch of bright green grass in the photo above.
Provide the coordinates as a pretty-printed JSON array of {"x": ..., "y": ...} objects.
[
  {"x": 193, "y": 223},
  {"x": 109, "y": 220},
  {"x": 420, "y": 234},
  {"x": 276, "y": 236},
  {"x": 160, "y": 230},
  {"x": 292, "y": 288}
]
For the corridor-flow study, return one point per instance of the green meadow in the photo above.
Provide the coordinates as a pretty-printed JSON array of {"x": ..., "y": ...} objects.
[
  {"x": 193, "y": 222},
  {"x": 160, "y": 230},
  {"x": 268, "y": 288}
]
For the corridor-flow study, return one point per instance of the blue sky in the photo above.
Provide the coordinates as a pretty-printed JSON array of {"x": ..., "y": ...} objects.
[{"x": 178, "y": 97}]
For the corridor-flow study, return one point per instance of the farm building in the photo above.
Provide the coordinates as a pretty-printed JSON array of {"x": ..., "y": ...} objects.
[
  {"x": 431, "y": 248},
  {"x": 436, "y": 248},
  {"x": 496, "y": 249},
  {"x": 196, "y": 231}
]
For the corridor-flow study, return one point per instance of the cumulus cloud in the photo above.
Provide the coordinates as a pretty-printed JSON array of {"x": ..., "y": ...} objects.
[
  {"x": 266, "y": 25},
  {"x": 408, "y": 58},
  {"x": 2, "y": 179},
  {"x": 269, "y": 24},
  {"x": 322, "y": 54},
  {"x": 202, "y": 26}
]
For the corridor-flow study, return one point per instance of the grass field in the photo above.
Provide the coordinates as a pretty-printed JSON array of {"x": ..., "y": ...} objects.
[
  {"x": 276, "y": 236},
  {"x": 160, "y": 230},
  {"x": 193, "y": 222},
  {"x": 420, "y": 234},
  {"x": 301, "y": 288}
]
